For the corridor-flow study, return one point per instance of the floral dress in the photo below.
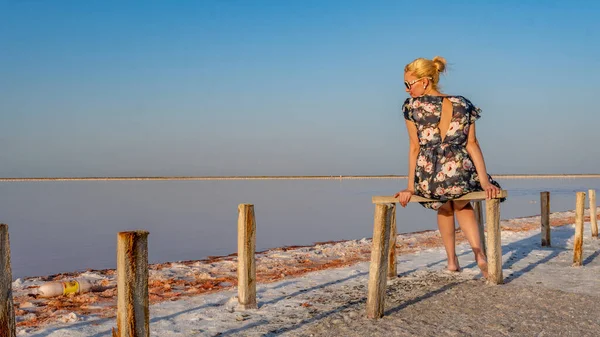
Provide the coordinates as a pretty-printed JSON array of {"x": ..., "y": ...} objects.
[{"x": 444, "y": 169}]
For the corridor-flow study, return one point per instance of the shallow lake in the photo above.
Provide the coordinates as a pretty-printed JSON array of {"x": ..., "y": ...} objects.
[{"x": 67, "y": 226}]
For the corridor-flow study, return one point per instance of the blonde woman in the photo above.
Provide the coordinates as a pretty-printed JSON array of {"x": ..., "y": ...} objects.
[{"x": 444, "y": 159}]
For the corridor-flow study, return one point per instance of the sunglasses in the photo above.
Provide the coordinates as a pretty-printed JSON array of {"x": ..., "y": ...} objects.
[{"x": 409, "y": 84}]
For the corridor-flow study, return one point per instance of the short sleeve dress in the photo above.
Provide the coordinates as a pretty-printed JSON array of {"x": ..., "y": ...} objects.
[{"x": 444, "y": 169}]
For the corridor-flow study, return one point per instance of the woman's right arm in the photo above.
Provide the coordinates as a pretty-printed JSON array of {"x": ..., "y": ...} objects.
[{"x": 413, "y": 152}]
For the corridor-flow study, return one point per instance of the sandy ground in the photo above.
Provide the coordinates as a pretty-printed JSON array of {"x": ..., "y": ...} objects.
[
  {"x": 543, "y": 294},
  {"x": 442, "y": 305}
]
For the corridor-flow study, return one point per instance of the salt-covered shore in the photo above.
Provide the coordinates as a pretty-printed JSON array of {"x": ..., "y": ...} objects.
[{"x": 321, "y": 290}]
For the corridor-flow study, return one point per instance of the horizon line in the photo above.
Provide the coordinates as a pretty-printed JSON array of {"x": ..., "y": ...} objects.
[{"x": 290, "y": 177}]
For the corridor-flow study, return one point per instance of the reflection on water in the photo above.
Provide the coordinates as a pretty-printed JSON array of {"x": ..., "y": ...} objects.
[{"x": 72, "y": 225}]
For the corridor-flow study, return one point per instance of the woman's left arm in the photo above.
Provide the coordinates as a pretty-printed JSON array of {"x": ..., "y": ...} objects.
[{"x": 476, "y": 155}]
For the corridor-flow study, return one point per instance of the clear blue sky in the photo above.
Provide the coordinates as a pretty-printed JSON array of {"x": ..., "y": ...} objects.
[{"x": 107, "y": 88}]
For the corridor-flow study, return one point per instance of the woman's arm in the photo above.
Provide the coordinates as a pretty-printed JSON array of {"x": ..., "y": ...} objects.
[
  {"x": 474, "y": 152},
  {"x": 476, "y": 155},
  {"x": 413, "y": 152}
]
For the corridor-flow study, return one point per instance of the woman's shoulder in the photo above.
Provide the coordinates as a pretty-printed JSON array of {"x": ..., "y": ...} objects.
[
  {"x": 458, "y": 99},
  {"x": 466, "y": 106},
  {"x": 408, "y": 103},
  {"x": 462, "y": 101}
]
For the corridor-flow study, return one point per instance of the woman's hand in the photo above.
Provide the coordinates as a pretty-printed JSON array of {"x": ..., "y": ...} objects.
[
  {"x": 404, "y": 196},
  {"x": 491, "y": 191}
]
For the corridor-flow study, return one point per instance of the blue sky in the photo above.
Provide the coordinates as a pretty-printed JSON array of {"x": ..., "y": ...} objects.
[{"x": 107, "y": 88}]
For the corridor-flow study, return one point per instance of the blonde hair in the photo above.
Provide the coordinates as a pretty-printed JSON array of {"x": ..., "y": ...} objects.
[{"x": 423, "y": 67}]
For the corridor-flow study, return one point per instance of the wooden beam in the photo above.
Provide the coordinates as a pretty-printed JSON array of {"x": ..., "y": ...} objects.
[
  {"x": 132, "y": 284},
  {"x": 494, "y": 246},
  {"x": 246, "y": 257},
  {"x": 470, "y": 196},
  {"x": 545, "y": 218},
  {"x": 392, "y": 268},
  {"x": 578, "y": 239},
  {"x": 379, "y": 263},
  {"x": 7, "y": 312},
  {"x": 593, "y": 217},
  {"x": 478, "y": 210}
]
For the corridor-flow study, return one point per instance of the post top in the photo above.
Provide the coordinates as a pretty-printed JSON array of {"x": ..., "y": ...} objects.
[{"x": 136, "y": 232}]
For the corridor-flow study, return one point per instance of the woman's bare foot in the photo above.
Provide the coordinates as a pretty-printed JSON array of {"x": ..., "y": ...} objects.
[
  {"x": 453, "y": 265},
  {"x": 482, "y": 264}
]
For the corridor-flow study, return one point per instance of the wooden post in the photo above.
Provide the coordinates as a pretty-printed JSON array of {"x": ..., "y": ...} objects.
[
  {"x": 479, "y": 217},
  {"x": 246, "y": 258},
  {"x": 593, "y": 216},
  {"x": 7, "y": 312},
  {"x": 545, "y": 225},
  {"x": 392, "y": 270},
  {"x": 578, "y": 240},
  {"x": 379, "y": 263},
  {"x": 132, "y": 284},
  {"x": 494, "y": 246}
]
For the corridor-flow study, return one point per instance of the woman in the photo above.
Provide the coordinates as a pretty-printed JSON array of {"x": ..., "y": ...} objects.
[{"x": 444, "y": 160}]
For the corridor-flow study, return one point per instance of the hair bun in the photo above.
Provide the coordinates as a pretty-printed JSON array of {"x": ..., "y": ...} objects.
[{"x": 440, "y": 63}]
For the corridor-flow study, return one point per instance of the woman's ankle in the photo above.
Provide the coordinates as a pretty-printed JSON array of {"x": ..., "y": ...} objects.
[{"x": 453, "y": 264}]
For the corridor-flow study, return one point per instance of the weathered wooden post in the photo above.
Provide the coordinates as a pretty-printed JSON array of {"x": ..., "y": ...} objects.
[
  {"x": 545, "y": 218},
  {"x": 392, "y": 269},
  {"x": 379, "y": 260},
  {"x": 578, "y": 240},
  {"x": 593, "y": 216},
  {"x": 246, "y": 257},
  {"x": 479, "y": 217},
  {"x": 494, "y": 247},
  {"x": 7, "y": 312},
  {"x": 132, "y": 284}
]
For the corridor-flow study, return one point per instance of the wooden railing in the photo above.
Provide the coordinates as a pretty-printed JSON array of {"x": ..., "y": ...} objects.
[{"x": 384, "y": 241}]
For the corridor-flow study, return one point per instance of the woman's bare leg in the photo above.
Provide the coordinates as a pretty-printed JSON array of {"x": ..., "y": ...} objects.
[
  {"x": 468, "y": 224},
  {"x": 446, "y": 226}
]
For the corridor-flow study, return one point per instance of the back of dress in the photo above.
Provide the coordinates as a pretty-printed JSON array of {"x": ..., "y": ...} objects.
[
  {"x": 444, "y": 169},
  {"x": 426, "y": 111}
]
